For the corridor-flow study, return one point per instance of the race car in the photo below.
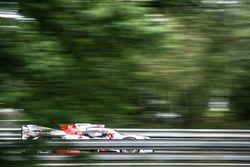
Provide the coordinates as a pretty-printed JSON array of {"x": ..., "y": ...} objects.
[{"x": 80, "y": 131}]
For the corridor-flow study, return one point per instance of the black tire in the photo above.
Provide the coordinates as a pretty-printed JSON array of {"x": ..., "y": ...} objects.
[{"x": 129, "y": 151}]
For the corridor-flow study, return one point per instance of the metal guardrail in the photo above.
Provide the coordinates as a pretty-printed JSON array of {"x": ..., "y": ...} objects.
[
  {"x": 161, "y": 133},
  {"x": 10, "y": 133},
  {"x": 173, "y": 148},
  {"x": 190, "y": 133},
  {"x": 10, "y": 130},
  {"x": 132, "y": 160},
  {"x": 129, "y": 164},
  {"x": 129, "y": 144}
]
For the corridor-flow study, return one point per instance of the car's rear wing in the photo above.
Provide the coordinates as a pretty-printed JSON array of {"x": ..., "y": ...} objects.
[{"x": 34, "y": 132}]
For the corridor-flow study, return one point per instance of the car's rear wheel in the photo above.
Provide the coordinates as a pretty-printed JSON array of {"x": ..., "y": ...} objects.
[{"x": 129, "y": 151}]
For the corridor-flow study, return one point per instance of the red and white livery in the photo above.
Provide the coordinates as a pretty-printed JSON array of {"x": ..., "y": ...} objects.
[{"x": 80, "y": 131}]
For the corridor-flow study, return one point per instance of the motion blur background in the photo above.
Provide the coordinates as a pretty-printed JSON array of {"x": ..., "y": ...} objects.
[{"x": 126, "y": 63}]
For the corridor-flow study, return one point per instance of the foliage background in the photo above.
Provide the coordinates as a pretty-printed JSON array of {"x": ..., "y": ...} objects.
[{"x": 122, "y": 63}]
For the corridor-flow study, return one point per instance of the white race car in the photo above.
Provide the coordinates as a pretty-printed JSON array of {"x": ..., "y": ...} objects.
[{"x": 81, "y": 131}]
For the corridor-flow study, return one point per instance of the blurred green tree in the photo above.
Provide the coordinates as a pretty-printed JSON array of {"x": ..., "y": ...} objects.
[
  {"x": 106, "y": 61},
  {"x": 78, "y": 59}
]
